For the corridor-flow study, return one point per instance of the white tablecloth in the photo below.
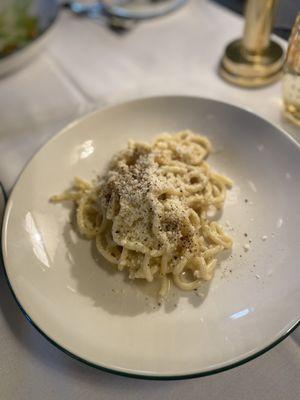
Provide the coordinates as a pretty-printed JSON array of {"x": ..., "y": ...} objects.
[{"x": 86, "y": 66}]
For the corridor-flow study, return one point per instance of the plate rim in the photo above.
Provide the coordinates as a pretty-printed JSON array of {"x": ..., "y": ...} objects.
[{"x": 120, "y": 371}]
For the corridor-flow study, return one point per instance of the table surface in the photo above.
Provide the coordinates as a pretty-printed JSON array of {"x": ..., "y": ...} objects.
[{"x": 85, "y": 66}]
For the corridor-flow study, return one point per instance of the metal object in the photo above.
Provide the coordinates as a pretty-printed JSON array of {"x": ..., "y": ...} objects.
[{"x": 254, "y": 60}]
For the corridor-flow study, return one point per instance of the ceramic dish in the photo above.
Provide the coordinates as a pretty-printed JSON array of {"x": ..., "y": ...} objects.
[
  {"x": 138, "y": 10},
  {"x": 94, "y": 313}
]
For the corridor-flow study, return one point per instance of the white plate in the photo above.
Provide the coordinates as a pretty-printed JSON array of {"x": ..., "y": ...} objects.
[
  {"x": 141, "y": 9},
  {"x": 91, "y": 311}
]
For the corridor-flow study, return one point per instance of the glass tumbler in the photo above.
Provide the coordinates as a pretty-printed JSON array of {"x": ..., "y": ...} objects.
[{"x": 291, "y": 76}]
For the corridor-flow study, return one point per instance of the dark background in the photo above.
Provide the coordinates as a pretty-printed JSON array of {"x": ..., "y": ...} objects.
[{"x": 285, "y": 16}]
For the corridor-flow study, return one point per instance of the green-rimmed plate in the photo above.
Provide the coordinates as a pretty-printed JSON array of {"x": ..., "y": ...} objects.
[{"x": 95, "y": 314}]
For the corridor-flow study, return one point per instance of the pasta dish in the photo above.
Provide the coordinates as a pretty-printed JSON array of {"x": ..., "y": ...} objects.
[{"x": 153, "y": 212}]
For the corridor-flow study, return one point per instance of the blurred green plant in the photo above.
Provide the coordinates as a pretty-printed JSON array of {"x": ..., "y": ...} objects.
[{"x": 17, "y": 26}]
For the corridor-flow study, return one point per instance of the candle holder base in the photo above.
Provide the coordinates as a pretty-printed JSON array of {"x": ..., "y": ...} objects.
[{"x": 247, "y": 69}]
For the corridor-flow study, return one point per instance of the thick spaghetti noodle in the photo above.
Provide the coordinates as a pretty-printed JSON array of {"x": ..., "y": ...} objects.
[{"x": 149, "y": 213}]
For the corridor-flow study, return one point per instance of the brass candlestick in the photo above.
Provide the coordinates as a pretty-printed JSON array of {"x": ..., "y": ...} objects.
[{"x": 255, "y": 60}]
